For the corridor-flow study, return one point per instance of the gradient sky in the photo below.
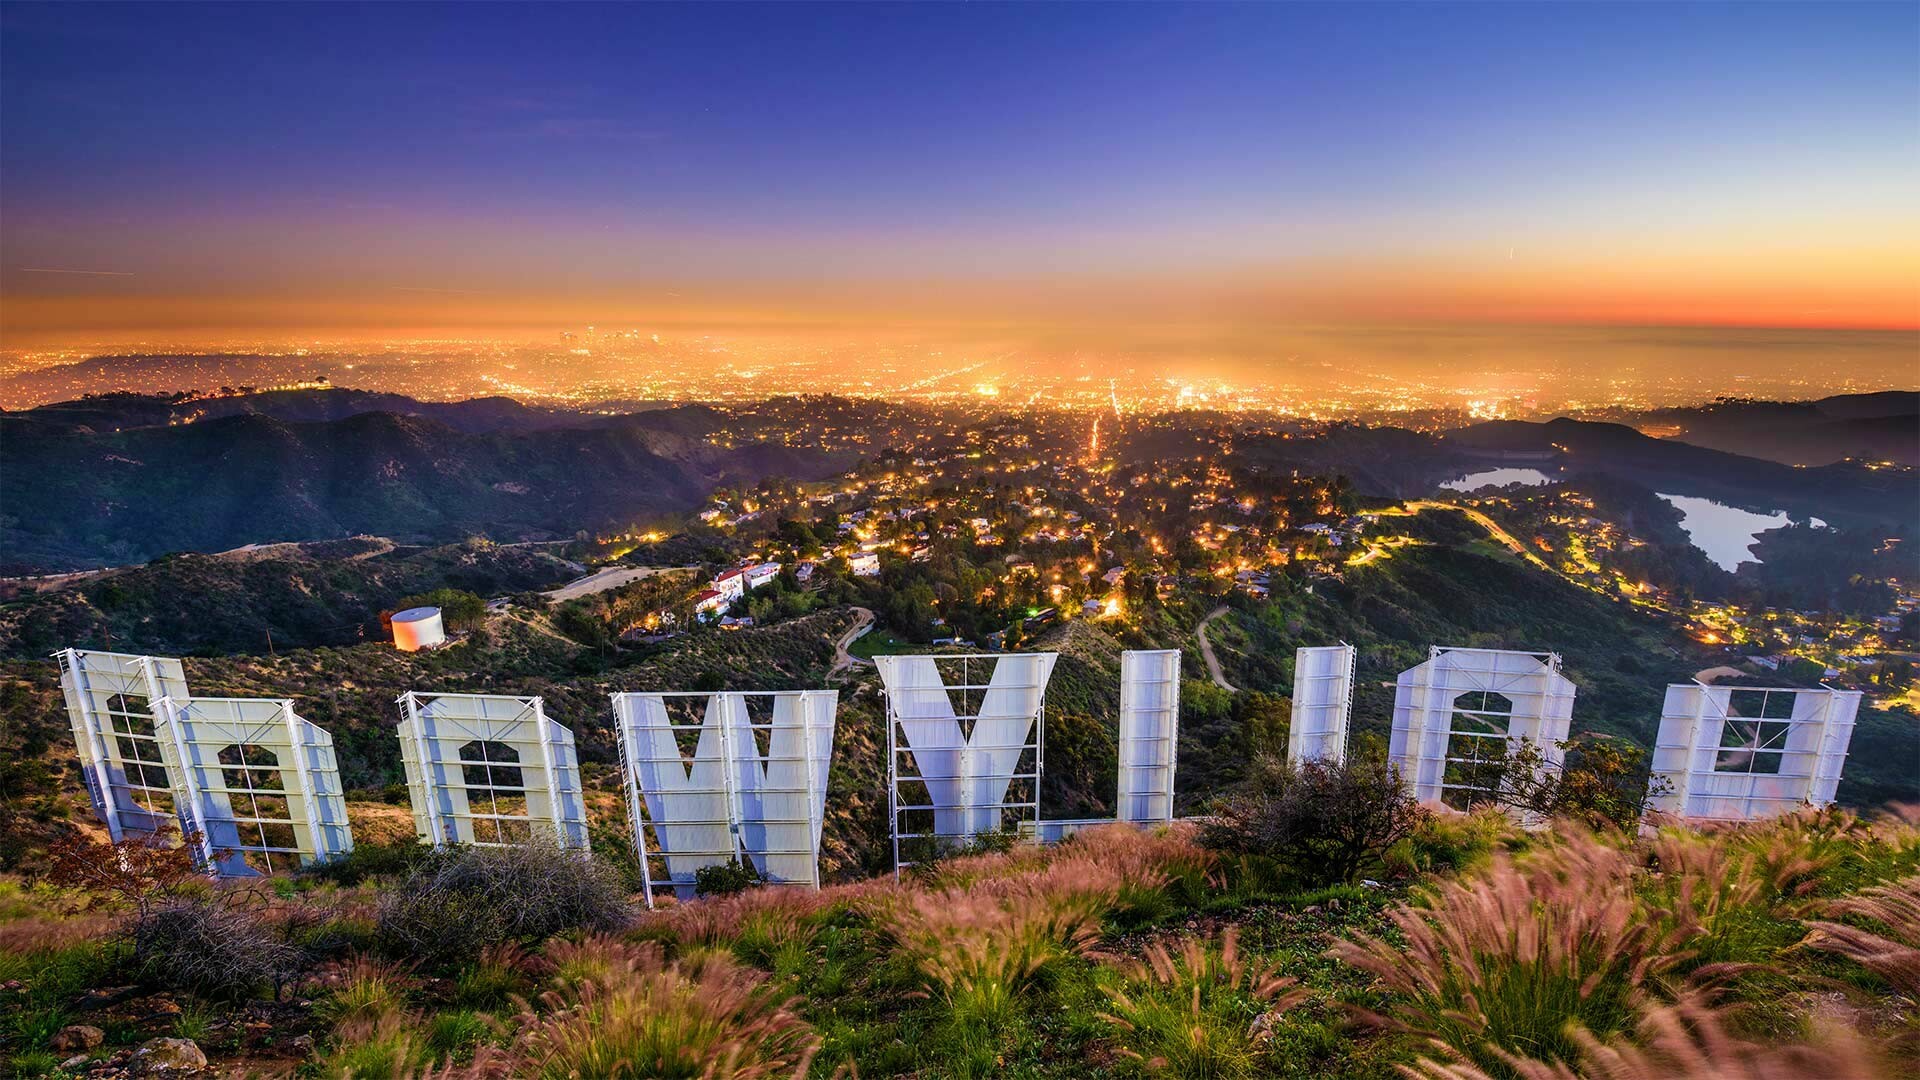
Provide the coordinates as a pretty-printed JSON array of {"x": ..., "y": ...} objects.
[{"x": 294, "y": 168}]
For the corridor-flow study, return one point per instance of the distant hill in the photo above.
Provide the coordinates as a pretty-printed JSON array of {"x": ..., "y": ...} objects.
[
  {"x": 302, "y": 595},
  {"x": 77, "y": 492},
  {"x": 117, "y": 412},
  {"x": 1868, "y": 427},
  {"x": 1841, "y": 492}
]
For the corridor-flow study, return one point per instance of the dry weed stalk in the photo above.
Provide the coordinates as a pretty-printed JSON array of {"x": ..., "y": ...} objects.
[
  {"x": 1687, "y": 1040},
  {"x": 631, "y": 1013},
  {"x": 1895, "y": 958}
]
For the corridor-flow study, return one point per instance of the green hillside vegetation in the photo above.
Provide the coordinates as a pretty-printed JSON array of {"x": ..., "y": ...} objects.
[
  {"x": 296, "y": 596},
  {"x": 1474, "y": 951}
]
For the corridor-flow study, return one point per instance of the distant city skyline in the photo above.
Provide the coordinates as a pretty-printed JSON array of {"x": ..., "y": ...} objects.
[{"x": 1130, "y": 177}]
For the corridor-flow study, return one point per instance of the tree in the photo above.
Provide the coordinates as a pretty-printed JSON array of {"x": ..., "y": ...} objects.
[
  {"x": 1600, "y": 780},
  {"x": 459, "y": 609},
  {"x": 1321, "y": 822}
]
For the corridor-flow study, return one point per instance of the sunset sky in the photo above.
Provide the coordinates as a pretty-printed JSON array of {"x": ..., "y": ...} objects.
[{"x": 287, "y": 169}]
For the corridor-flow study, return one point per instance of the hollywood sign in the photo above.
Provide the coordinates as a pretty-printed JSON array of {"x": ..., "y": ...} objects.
[{"x": 712, "y": 779}]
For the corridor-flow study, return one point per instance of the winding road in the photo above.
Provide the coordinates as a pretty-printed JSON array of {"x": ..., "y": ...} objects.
[
  {"x": 842, "y": 659},
  {"x": 1206, "y": 650},
  {"x": 1493, "y": 529}
]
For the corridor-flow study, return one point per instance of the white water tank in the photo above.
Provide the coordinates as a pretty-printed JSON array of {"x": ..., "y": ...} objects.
[{"x": 418, "y": 628}]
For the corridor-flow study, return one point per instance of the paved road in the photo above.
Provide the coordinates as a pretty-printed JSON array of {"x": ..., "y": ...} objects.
[
  {"x": 611, "y": 578},
  {"x": 1493, "y": 529},
  {"x": 842, "y": 659},
  {"x": 1206, "y": 650}
]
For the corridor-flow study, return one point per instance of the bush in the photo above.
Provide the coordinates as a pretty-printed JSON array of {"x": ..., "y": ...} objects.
[
  {"x": 369, "y": 860},
  {"x": 451, "y": 906},
  {"x": 1323, "y": 823},
  {"x": 213, "y": 947},
  {"x": 725, "y": 879}
]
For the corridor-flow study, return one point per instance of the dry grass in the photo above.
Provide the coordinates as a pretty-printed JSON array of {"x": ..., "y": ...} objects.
[
  {"x": 1684, "y": 1041},
  {"x": 1199, "y": 1010},
  {"x": 983, "y": 948},
  {"x": 1508, "y": 963},
  {"x": 622, "y": 1010},
  {"x": 1895, "y": 955}
]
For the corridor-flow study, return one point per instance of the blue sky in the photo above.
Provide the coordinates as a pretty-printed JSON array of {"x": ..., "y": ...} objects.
[{"x": 587, "y": 146}]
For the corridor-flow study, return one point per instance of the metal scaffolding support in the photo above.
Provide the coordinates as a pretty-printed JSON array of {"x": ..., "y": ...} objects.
[
  {"x": 1739, "y": 753},
  {"x": 257, "y": 783},
  {"x": 966, "y": 752},
  {"x": 1322, "y": 704},
  {"x": 748, "y": 788},
  {"x": 490, "y": 769},
  {"x": 1464, "y": 709},
  {"x": 1149, "y": 734},
  {"x": 113, "y": 707}
]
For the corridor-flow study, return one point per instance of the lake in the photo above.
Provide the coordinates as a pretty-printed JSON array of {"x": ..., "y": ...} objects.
[
  {"x": 1498, "y": 478},
  {"x": 1725, "y": 532}
]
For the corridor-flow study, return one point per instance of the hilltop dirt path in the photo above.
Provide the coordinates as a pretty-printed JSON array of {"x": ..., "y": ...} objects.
[
  {"x": 1206, "y": 650},
  {"x": 842, "y": 659}
]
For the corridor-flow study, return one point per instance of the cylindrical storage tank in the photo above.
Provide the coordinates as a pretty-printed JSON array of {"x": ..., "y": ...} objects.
[{"x": 417, "y": 628}]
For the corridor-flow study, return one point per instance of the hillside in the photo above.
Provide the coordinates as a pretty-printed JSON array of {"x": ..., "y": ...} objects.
[
  {"x": 129, "y": 495},
  {"x": 116, "y": 412},
  {"x": 296, "y": 596},
  {"x": 1843, "y": 492},
  {"x": 1869, "y": 427}
]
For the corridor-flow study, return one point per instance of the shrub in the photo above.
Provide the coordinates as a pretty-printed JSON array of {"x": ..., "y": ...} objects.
[
  {"x": 1455, "y": 842},
  {"x": 641, "y": 1016},
  {"x": 213, "y": 947},
  {"x": 1508, "y": 963},
  {"x": 1193, "y": 1012},
  {"x": 1323, "y": 823},
  {"x": 725, "y": 879},
  {"x": 369, "y": 861},
  {"x": 459, "y": 902},
  {"x": 1601, "y": 781}
]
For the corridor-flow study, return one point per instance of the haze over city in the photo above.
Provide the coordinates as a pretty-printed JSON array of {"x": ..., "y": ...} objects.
[{"x": 1561, "y": 205}]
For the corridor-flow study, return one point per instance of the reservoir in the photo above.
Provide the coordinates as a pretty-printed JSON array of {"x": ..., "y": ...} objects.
[
  {"x": 1498, "y": 478},
  {"x": 1725, "y": 532}
]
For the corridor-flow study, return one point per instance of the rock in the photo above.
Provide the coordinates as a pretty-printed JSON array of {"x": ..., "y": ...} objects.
[
  {"x": 101, "y": 997},
  {"x": 303, "y": 1045},
  {"x": 75, "y": 1062},
  {"x": 1260, "y": 1031},
  {"x": 77, "y": 1037},
  {"x": 161, "y": 1006},
  {"x": 169, "y": 1055},
  {"x": 1310, "y": 909}
]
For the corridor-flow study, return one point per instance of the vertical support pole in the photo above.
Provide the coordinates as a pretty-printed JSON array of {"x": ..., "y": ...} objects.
[
  {"x": 553, "y": 774},
  {"x": 729, "y": 761},
  {"x": 186, "y": 789},
  {"x": 808, "y": 701},
  {"x": 893, "y": 778},
  {"x": 429, "y": 802},
  {"x": 624, "y": 730},
  {"x": 305, "y": 779},
  {"x": 94, "y": 753}
]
